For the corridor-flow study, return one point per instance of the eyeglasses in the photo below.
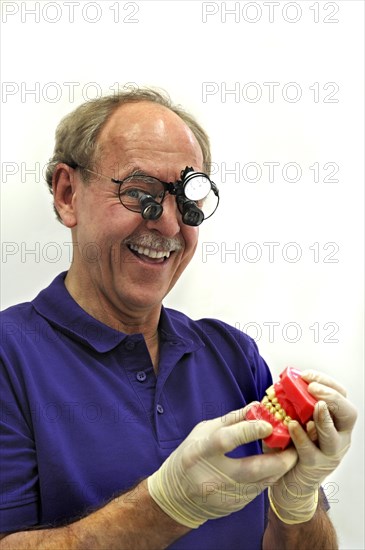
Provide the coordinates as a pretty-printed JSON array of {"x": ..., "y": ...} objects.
[{"x": 196, "y": 195}]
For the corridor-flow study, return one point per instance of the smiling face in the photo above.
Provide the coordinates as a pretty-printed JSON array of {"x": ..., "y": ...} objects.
[{"x": 122, "y": 263}]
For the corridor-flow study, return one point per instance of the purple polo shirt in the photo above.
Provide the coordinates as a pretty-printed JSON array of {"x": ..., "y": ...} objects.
[{"x": 84, "y": 417}]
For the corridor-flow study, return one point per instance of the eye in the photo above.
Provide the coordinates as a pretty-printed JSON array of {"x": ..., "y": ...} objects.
[{"x": 133, "y": 193}]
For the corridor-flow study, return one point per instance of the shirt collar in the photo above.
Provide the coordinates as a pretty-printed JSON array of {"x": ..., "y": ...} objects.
[
  {"x": 176, "y": 328},
  {"x": 56, "y": 304}
]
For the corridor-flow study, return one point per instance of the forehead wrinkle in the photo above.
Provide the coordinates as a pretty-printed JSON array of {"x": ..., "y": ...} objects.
[
  {"x": 137, "y": 155},
  {"x": 168, "y": 169}
]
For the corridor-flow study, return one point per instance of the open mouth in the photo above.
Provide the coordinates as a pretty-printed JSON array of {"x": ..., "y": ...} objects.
[
  {"x": 150, "y": 255},
  {"x": 285, "y": 400}
]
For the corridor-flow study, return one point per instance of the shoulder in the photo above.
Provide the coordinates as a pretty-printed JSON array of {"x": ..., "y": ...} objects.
[
  {"x": 14, "y": 318},
  {"x": 213, "y": 331},
  {"x": 220, "y": 337},
  {"x": 20, "y": 339},
  {"x": 227, "y": 348}
]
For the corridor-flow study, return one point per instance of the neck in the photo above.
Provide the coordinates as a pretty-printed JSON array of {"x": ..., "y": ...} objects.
[
  {"x": 153, "y": 345},
  {"x": 118, "y": 316}
]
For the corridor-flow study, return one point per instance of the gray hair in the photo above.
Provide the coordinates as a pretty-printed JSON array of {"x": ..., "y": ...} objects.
[{"x": 77, "y": 133}]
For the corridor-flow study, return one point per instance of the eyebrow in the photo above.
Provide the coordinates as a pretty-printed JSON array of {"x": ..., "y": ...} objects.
[
  {"x": 135, "y": 171},
  {"x": 138, "y": 172}
]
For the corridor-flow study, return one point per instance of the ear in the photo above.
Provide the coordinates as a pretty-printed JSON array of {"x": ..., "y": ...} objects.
[{"x": 63, "y": 186}]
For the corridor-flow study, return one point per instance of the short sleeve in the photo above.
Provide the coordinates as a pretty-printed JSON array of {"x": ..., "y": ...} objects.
[{"x": 18, "y": 464}]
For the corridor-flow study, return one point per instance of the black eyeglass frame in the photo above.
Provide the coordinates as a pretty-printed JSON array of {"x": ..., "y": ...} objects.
[{"x": 173, "y": 188}]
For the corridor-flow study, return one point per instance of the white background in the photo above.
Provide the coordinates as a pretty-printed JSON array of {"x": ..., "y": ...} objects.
[{"x": 188, "y": 48}]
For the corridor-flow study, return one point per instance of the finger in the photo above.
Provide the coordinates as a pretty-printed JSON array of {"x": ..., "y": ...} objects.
[
  {"x": 328, "y": 437},
  {"x": 229, "y": 437},
  {"x": 232, "y": 417},
  {"x": 312, "y": 431},
  {"x": 311, "y": 375},
  {"x": 237, "y": 416},
  {"x": 304, "y": 445},
  {"x": 266, "y": 449},
  {"x": 264, "y": 469},
  {"x": 344, "y": 413},
  {"x": 207, "y": 427}
]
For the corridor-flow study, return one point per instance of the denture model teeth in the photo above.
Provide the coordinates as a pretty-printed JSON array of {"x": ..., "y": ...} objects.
[{"x": 286, "y": 400}]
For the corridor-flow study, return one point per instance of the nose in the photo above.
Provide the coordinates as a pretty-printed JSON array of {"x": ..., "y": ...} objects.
[{"x": 168, "y": 224}]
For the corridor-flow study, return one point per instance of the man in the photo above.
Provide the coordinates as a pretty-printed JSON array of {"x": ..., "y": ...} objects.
[{"x": 108, "y": 440}]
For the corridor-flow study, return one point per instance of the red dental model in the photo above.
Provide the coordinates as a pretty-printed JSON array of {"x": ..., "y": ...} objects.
[{"x": 286, "y": 400}]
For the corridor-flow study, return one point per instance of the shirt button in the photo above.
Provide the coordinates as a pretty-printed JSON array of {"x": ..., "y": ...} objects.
[
  {"x": 160, "y": 409},
  {"x": 129, "y": 345},
  {"x": 141, "y": 376}
]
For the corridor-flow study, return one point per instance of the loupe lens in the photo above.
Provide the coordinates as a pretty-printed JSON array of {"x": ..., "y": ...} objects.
[
  {"x": 191, "y": 214},
  {"x": 150, "y": 209}
]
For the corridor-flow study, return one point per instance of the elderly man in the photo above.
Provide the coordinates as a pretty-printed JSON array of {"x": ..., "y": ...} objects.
[{"x": 109, "y": 442}]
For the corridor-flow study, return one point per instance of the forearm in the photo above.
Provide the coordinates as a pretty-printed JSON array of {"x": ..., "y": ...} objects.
[
  {"x": 315, "y": 534},
  {"x": 132, "y": 521}
]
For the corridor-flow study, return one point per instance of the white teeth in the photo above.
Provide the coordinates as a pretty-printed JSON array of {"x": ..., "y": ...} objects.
[
  {"x": 149, "y": 252},
  {"x": 271, "y": 402}
]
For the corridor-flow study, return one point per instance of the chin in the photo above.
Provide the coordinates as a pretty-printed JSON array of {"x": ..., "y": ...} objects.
[{"x": 141, "y": 300}]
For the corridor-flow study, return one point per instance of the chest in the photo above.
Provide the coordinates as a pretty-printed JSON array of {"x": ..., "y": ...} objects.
[{"x": 101, "y": 422}]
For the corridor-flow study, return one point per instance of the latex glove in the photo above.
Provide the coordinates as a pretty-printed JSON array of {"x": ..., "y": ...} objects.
[
  {"x": 198, "y": 482},
  {"x": 294, "y": 498}
]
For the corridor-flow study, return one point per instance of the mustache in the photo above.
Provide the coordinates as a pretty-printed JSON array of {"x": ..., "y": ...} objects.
[{"x": 156, "y": 242}]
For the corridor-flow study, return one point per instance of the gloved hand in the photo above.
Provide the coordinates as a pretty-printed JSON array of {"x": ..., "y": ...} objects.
[
  {"x": 198, "y": 482},
  {"x": 294, "y": 498}
]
